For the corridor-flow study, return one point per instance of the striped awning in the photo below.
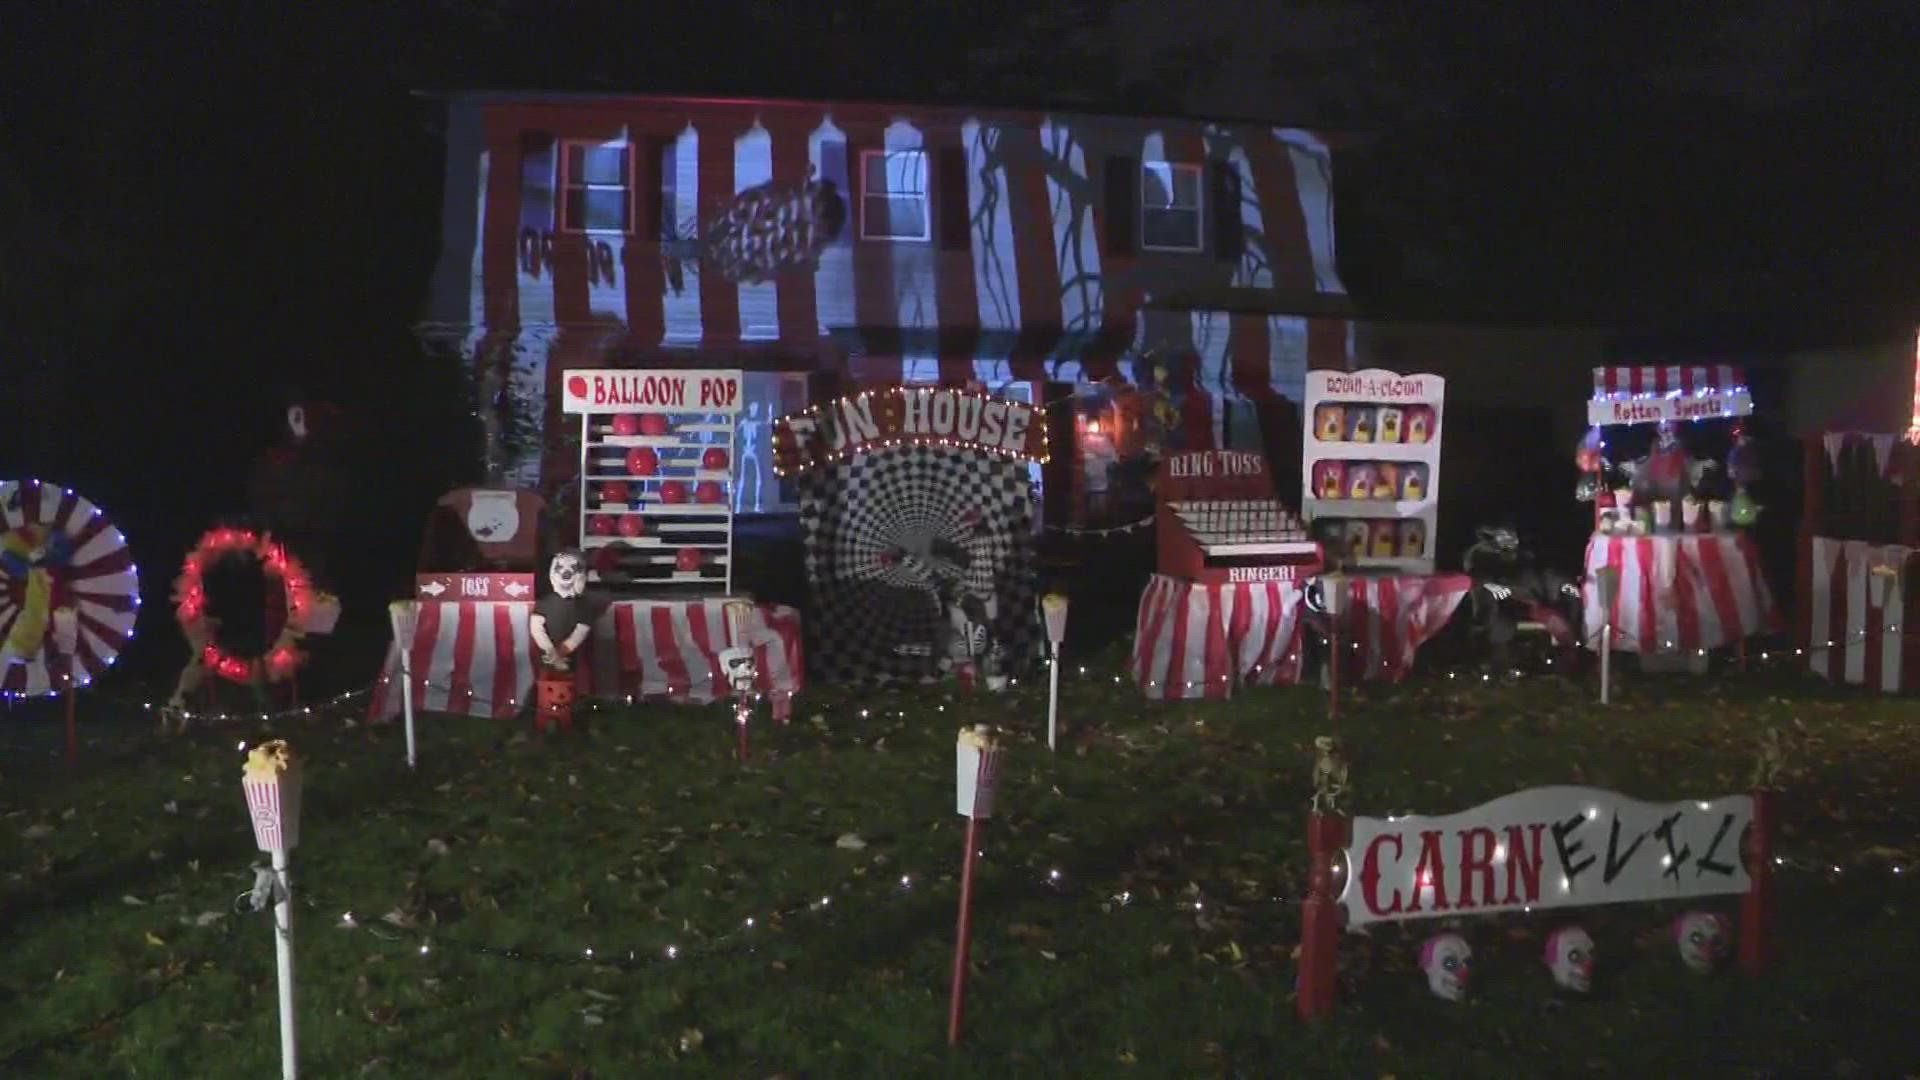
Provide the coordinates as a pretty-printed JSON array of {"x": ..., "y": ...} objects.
[{"x": 1676, "y": 379}]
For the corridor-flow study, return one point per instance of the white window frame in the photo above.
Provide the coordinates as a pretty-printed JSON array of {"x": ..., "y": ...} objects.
[
  {"x": 926, "y": 196},
  {"x": 1172, "y": 168},
  {"x": 564, "y": 185}
]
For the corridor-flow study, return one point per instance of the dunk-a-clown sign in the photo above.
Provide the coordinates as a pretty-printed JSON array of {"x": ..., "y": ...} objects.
[
  {"x": 907, "y": 416},
  {"x": 1545, "y": 847}
]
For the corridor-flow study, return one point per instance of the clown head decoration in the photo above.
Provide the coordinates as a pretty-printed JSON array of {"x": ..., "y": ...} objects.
[
  {"x": 1570, "y": 958},
  {"x": 297, "y": 423},
  {"x": 1703, "y": 938},
  {"x": 1388, "y": 425},
  {"x": 1413, "y": 483},
  {"x": 1386, "y": 480},
  {"x": 1419, "y": 424},
  {"x": 567, "y": 573},
  {"x": 1383, "y": 539},
  {"x": 737, "y": 662},
  {"x": 1359, "y": 425},
  {"x": 1329, "y": 423},
  {"x": 1360, "y": 481},
  {"x": 1446, "y": 959},
  {"x": 1329, "y": 477},
  {"x": 1413, "y": 539}
]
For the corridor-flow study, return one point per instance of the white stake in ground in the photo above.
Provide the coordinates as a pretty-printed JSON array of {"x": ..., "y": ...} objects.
[
  {"x": 405, "y": 614},
  {"x": 1053, "y": 610},
  {"x": 1607, "y": 580},
  {"x": 272, "y": 784}
]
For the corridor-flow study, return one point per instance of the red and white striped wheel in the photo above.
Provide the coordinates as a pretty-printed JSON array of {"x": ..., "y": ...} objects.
[{"x": 59, "y": 553}]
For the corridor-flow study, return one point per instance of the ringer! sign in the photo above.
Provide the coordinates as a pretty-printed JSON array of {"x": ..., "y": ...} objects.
[{"x": 1545, "y": 847}]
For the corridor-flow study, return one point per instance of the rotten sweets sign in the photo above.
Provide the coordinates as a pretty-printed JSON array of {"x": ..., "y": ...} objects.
[
  {"x": 1545, "y": 847},
  {"x": 907, "y": 416}
]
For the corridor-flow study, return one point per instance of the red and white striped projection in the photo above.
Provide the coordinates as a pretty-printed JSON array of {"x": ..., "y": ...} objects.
[{"x": 751, "y": 226}]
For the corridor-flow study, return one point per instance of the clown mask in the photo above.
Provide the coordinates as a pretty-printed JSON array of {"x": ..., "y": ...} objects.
[
  {"x": 1570, "y": 958},
  {"x": 1419, "y": 424},
  {"x": 1389, "y": 425},
  {"x": 1360, "y": 425},
  {"x": 1329, "y": 423},
  {"x": 567, "y": 575},
  {"x": 1413, "y": 483},
  {"x": 1445, "y": 958},
  {"x": 1386, "y": 481},
  {"x": 1703, "y": 938}
]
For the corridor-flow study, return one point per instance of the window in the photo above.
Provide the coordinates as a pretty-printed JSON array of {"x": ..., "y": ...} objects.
[
  {"x": 893, "y": 195},
  {"x": 596, "y": 179},
  {"x": 1169, "y": 206}
]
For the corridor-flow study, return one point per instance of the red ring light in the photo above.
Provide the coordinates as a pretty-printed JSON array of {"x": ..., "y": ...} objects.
[{"x": 283, "y": 657}]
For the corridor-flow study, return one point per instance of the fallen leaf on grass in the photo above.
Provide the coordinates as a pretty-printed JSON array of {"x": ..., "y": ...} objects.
[
  {"x": 133, "y": 901},
  {"x": 37, "y": 832},
  {"x": 155, "y": 941},
  {"x": 691, "y": 1040},
  {"x": 850, "y": 842}
]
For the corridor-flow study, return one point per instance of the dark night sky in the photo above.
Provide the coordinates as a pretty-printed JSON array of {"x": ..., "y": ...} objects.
[{"x": 201, "y": 203}]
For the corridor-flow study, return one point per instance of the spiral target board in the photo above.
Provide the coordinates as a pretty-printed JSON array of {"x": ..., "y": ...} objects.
[
  {"x": 893, "y": 536},
  {"x": 69, "y": 590}
]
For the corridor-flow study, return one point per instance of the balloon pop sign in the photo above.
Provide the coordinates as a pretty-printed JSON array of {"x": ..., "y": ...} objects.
[{"x": 1551, "y": 847}]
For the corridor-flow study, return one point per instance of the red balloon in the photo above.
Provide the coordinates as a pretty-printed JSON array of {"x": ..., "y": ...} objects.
[
  {"x": 607, "y": 559},
  {"x": 618, "y": 491},
  {"x": 714, "y": 459},
  {"x": 688, "y": 560},
  {"x": 626, "y": 423},
  {"x": 709, "y": 492},
  {"x": 673, "y": 491},
  {"x": 654, "y": 423},
  {"x": 633, "y": 525},
  {"x": 602, "y": 525},
  {"x": 643, "y": 461}
]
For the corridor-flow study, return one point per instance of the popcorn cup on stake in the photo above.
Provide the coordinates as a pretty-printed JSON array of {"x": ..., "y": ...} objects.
[
  {"x": 976, "y": 776},
  {"x": 1053, "y": 608},
  {"x": 1717, "y": 514},
  {"x": 271, "y": 780},
  {"x": 1690, "y": 514},
  {"x": 1662, "y": 515}
]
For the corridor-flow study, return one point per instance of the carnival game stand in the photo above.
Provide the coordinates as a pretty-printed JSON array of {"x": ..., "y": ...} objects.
[
  {"x": 1225, "y": 605},
  {"x": 1859, "y": 536},
  {"x": 656, "y": 525},
  {"x": 1671, "y": 534}
]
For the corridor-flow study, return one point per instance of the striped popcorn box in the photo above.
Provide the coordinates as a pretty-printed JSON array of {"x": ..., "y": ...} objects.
[
  {"x": 977, "y": 772},
  {"x": 272, "y": 785}
]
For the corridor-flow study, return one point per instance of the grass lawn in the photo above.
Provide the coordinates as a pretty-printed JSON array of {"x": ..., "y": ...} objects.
[{"x": 639, "y": 832}]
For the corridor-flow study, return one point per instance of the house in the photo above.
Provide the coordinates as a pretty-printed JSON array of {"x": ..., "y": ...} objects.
[{"x": 826, "y": 246}]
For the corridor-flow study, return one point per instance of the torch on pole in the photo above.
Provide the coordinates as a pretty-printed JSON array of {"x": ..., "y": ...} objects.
[{"x": 976, "y": 778}]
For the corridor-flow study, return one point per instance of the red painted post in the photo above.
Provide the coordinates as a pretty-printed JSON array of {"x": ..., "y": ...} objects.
[
  {"x": 963, "y": 944},
  {"x": 73, "y": 731},
  {"x": 1757, "y": 904},
  {"x": 1333, "y": 667},
  {"x": 1320, "y": 919}
]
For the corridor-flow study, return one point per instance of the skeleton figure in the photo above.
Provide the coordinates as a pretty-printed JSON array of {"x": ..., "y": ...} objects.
[
  {"x": 560, "y": 622},
  {"x": 1446, "y": 959},
  {"x": 1570, "y": 957},
  {"x": 1703, "y": 938},
  {"x": 1329, "y": 774}
]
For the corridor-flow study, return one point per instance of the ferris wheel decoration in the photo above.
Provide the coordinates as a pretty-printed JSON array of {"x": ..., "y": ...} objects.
[
  {"x": 69, "y": 590},
  {"x": 918, "y": 554}
]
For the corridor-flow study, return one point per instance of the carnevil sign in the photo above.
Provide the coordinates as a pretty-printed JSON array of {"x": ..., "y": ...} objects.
[{"x": 1545, "y": 847}]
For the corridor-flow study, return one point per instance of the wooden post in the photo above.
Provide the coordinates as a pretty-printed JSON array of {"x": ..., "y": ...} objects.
[
  {"x": 963, "y": 942},
  {"x": 1320, "y": 920},
  {"x": 1757, "y": 904},
  {"x": 73, "y": 731},
  {"x": 1813, "y": 513}
]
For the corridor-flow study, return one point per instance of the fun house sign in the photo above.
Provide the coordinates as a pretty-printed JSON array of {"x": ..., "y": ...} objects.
[
  {"x": 907, "y": 416},
  {"x": 1542, "y": 848}
]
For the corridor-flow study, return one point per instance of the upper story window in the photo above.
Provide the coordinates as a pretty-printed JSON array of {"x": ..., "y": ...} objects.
[
  {"x": 893, "y": 195},
  {"x": 596, "y": 187},
  {"x": 1170, "y": 211}
]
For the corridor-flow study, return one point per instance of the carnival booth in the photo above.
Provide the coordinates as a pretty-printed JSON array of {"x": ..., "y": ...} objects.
[
  {"x": 1670, "y": 573},
  {"x": 1371, "y": 476},
  {"x": 1859, "y": 536},
  {"x": 917, "y": 515},
  {"x": 653, "y": 585}
]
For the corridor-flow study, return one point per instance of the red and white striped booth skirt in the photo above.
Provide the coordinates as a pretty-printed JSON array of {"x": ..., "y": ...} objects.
[
  {"x": 1678, "y": 594},
  {"x": 476, "y": 658},
  {"x": 1856, "y": 618},
  {"x": 1194, "y": 640}
]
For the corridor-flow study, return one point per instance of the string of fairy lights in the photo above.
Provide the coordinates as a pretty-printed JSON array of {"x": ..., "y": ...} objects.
[
  {"x": 746, "y": 931},
  {"x": 332, "y": 705}
]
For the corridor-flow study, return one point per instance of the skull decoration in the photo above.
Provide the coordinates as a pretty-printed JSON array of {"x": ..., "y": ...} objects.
[
  {"x": 1570, "y": 958},
  {"x": 567, "y": 574},
  {"x": 1446, "y": 959},
  {"x": 737, "y": 662},
  {"x": 297, "y": 423},
  {"x": 1703, "y": 937}
]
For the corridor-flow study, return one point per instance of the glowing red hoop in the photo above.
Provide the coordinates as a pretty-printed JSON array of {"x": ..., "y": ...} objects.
[{"x": 283, "y": 657}]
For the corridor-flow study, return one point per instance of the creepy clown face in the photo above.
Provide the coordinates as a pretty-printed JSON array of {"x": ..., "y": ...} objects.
[
  {"x": 1445, "y": 958},
  {"x": 567, "y": 574},
  {"x": 1703, "y": 937},
  {"x": 297, "y": 423},
  {"x": 1570, "y": 958}
]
